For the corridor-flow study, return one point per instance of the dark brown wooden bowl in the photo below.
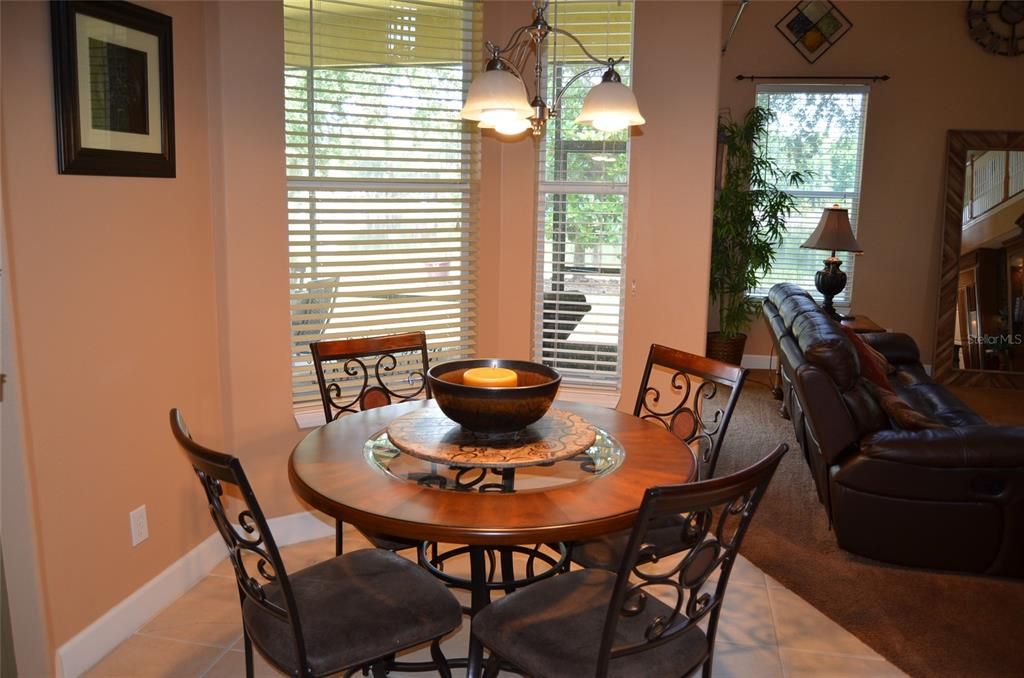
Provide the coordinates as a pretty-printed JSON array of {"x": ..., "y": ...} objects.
[{"x": 494, "y": 410}]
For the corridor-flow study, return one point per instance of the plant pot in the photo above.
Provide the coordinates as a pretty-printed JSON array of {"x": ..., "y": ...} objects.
[{"x": 728, "y": 350}]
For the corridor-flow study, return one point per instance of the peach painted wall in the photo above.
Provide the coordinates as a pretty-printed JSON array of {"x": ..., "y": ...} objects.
[
  {"x": 672, "y": 164},
  {"x": 114, "y": 309},
  {"x": 250, "y": 220},
  {"x": 941, "y": 80},
  {"x": 508, "y": 199},
  {"x": 669, "y": 222}
]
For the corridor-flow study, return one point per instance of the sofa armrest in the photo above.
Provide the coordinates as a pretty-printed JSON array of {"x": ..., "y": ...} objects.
[
  {"x": 831, "y": 430},
  {"x": 959, "y": 447},
  {"x": 898, "y": 348}
]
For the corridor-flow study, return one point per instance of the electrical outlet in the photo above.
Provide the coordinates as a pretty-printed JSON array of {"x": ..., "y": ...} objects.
[{"x": 140, "y": 526}]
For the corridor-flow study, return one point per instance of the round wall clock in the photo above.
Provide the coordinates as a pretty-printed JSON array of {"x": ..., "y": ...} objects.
[{"x": 997, "y": 26}]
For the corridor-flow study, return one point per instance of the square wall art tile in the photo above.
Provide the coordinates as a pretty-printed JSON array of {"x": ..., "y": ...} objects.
[{"x": 813, "y": 26}]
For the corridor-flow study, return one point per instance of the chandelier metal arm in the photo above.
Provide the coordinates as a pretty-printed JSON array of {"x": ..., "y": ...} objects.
[
  {"x": 610, "y": 62},
  {"x": 510, "y": 66},
  {"x": 500, "y": 93},
  {"x": 556, "y": 105},
  {"x": 513, "y": 41}
]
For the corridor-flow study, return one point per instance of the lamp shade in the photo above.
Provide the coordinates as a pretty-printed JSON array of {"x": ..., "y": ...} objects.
[
  {"x": 508, "y": 127},
  {"x": 610, "y": 107},
  {"x": 496, "y": 97},
  {"x": 834, "y": 232}
]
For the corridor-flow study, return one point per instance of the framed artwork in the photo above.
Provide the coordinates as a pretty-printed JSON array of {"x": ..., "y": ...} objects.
[
  {"x": 113, "y": 89},
  {"x": 813, "y": 26}
]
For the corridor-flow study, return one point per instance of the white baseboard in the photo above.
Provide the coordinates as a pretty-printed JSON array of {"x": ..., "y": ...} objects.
[
  {"x": 309, "y": 418},
  {"x": 760, "y": 362},
  {"x": 94, "y": 642}
]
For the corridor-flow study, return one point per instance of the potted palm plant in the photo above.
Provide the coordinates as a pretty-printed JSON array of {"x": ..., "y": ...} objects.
[{"x": 749, "y": 222}]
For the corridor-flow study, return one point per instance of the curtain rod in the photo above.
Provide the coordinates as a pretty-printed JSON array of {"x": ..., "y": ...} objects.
[
  {"x": 872, "y": 78},
  {"x": 735, "y": 23}
]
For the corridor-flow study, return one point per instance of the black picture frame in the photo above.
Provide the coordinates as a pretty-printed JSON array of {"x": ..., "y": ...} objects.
[{"x": 129, "y": 64}]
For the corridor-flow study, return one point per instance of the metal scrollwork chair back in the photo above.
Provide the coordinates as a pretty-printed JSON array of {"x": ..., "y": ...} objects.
[
  {"x": 643, "y": 619},
  {"x": 371, "y": 595},
  {"x": 350, "y": 382},
  {"x": 215, "y": 469},
  {"x": 363, "y": 365},
  {"x": 694, "y": 383}
]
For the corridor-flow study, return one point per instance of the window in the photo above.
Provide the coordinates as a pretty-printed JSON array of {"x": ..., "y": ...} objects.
[
  {"x": 382, "y": 174},
  {"x": 818, "y": 128},
  {"x": 583, "y": 189}
]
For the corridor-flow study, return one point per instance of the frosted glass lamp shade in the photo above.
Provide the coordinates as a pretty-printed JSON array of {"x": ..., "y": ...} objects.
[
  {"x": 610, "y": 107},
  {"x": 508, "y": 127},
  {"x": 496, "y": 97}
]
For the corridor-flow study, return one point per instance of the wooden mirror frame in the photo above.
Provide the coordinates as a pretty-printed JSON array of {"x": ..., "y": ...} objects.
[{"x": 958, "y": 142}]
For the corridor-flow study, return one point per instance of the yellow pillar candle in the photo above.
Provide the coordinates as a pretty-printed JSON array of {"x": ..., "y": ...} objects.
[{"x": 490, "y": 377}]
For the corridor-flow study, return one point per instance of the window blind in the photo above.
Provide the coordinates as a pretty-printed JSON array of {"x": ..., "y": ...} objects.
[
  {"x": 819, "y": 128},
  {"x": 382, "y": 175},
  {"x": 991, "y": 178},
  {"x": 582, "y": 203},
  {"x": 1015, "y": 183}
]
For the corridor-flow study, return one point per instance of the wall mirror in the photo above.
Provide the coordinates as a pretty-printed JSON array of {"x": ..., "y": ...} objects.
[{"x": 980, "y": 323}]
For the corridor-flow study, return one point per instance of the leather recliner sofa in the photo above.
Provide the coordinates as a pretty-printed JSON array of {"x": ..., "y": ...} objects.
[{"x": 949, "y": 498}]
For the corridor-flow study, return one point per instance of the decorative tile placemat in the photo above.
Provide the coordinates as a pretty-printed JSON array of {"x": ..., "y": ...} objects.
[{"x": 430, "y": 435}]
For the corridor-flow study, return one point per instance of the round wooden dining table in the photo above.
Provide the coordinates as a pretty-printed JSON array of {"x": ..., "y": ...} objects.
[{"x": 332, "y": 471}]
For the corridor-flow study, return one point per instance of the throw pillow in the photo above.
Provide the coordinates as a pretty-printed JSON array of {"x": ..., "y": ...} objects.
[
  {"x": 873, "y": 365},
  {"x": 899, "y": 410}
]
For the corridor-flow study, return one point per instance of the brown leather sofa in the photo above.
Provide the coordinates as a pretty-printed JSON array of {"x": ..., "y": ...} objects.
[{"x": 948, "y": 498}]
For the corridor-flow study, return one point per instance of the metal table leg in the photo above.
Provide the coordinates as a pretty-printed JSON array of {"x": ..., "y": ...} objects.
[{"x": 480, "y": 597}]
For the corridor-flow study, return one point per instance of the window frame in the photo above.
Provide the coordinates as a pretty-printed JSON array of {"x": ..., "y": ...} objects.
[
  {"x": 590, "y": 382},
  {"x": 444, "y": 206},
  {"x": 845, "y": 299}
]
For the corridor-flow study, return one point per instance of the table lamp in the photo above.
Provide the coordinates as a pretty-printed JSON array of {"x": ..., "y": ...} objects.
[{"x": 833, "y": 233}]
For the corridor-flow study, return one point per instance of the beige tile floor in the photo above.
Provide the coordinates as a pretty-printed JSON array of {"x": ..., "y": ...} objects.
[{"x": 765, "y": 630}]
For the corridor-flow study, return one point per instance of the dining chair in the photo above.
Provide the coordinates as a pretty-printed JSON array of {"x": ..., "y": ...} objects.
[
  {"x": 698, "y": 415},
  {"x": 644, "y": 619},
  {"x": 349, "y": 382},
  {"x": 688, "y": 403},
  {"x": 351, "y": 612},
  {"x": 361, "y": 374}
]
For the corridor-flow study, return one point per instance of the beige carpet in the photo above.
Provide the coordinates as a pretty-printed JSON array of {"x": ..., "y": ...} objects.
[{"x": 926, "y": 623}]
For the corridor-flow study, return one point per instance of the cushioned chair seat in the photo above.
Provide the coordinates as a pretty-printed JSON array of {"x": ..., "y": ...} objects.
[
  {"x": 553, "y": 628},
  {"x": 354, "y": 608},
  {"x": 606, "y": 552}
]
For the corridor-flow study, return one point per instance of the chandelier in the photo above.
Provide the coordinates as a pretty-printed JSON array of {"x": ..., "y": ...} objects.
[{"x": 498, "y": 100}]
